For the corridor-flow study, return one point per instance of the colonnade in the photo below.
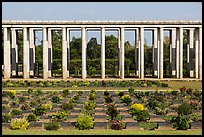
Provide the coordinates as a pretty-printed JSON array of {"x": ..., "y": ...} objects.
[{"x": 176, "y": 47}]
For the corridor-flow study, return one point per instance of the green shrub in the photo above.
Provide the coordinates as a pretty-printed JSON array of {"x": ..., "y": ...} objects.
[
  {"x": 90, "y": 105},
  {"x": 135, "y": 108},
  {"x": 180, "y": 122},
  {"x": 126, "y": 99},
  {"x": 19, "y": 124},
  {"x": 112, "y": 111},
  {"x": 160, "y": 111},
  {"x": 116, "y": 124},
  {"x": 53, "y": 125},
  {"x": 120, "y": 93},
  {"x": 22, "y": 99},
  {"x": 5, "y": 107},
  {"x": 6, "y": 118},
  {"x": 184, "y": 109},
  {"x": 39, "y": 110},
  {"x": 47, "y": 106},
  {"x": 67, "y": 106},
  {"x": 84, "y": 122},
  {"x": 141, "y": 115},
  {"x": 148, "y": 125},
  {"x": 108, "y": 99},
  {"x": 16, "y": 111},
  {"x": 56, "y": 99},
  {"x": 196, "y": 117},
  {"x": 25, "y": 106},
  {"x": 183, "y": 89},
  {"x": 65, "y": 92},
  {"x": 92, "y": 96},
  {"x": 106, "y": 93},
  {"x": 14, "y": 103},
  {"x": 131, "y": 90},
  {"x": 11, "y": 93},
  {"x": 32, "y": 117},
  {"x": 60, "y": 116}
]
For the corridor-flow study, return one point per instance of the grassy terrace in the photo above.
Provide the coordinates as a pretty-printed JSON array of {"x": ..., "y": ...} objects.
[
  {"x": 100, "y": 132},
  {"x": 173, "y": 85}
]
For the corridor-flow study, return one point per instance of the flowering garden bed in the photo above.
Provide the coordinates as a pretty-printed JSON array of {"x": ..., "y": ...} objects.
[{"x": 119, "y": 110}]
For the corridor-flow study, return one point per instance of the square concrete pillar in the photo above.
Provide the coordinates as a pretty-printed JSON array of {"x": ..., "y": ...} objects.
[
  {"x": 26, "y": 56},
  {"x": 68, "y": 52},
  {"x": 7, "y": 57},
  {"x": 200, "y": 54},
  {"x": 141, "y": 68},
  {"x": 14, "y": 53},
  {"x": 122, "y": 53},
  {"x": 64, "y": 53},
  {"x": 84, "y": 46},
  {"x": 177, "y": 51},
  {"x": 137, "y": 41},
  {"x": 45, "y": 53},
  {"x": 102, "y": 53},
  {"x": 161, "y": 69},
  {"x": 119, "y": 58},
  {"x": 181, "y": 53}
]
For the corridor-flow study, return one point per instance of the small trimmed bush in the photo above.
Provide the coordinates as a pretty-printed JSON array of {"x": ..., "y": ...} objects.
[
  {"x": 6, "y": 118},
  {"x": 180, "y": 122},
  {"x": 60, "y": 116},
  {"x": 16, "y": 112},
  {"x": 84, "y": 122},
  {"x": 184, "y": 109},
  {"x": 126, "y": 99},
  {"x": 148, "y": 125},
  {"x": 32, "y": 117},
  {"x": 19, "y": 124},
  {"x": 112, "y": 111},
  {"x": 53, "y": 125},
  {"x": 116, "y": 124},
  {"x": 67, "y": 106}
]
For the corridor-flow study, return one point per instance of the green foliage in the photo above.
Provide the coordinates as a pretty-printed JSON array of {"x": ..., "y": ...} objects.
[
  {"x": 60, "y": 116},
  {"x": 32, "y": 117},
  {"x": 16, "y": 111},
  {"x": 22, "y": 99},
  {"x": 126, "y": 99},
  {"x": 56, "y": 99},
  {"x": 108, "y": 99},
  {"x": 65, "y": 92},
  {"x": 184, "y": 109},
  {"x": 67, "y": 106},
  {"x": 6, "y": 118},
  {"x": 53, "y": 125},
  {"x": 84, "y": 122},
  {"x": 25, "y": 106},
  {"x": 180, "y": 122},
  {"x": 120, "y": 93},
  {"x": 19, "y": 124},
  {"x": 90, "y": 105},
  {"x": 112, "y": 111},
  {"x": 142, "y": 115},
  {"x": 39, "y": 110},
  {"x": 148, "y": 125}
]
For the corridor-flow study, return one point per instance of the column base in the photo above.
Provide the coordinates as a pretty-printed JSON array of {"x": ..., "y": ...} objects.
[
  {"x": 26, "y": 75},
  {"x": 49, "y": 73},
  {"x": 67, "y": 73},
  {"x": 173, "y": 72},
  {"x": 13, "y": 73},
  {"x": 191, "y": 73},
  {"x": 32, "y": 73},
  {"x": 155, "y": 73}
]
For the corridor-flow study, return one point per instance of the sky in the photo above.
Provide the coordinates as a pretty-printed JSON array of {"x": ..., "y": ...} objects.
[{"x": 103, "y": 11}]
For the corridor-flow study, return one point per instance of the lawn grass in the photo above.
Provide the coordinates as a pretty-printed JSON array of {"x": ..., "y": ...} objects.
[
  {"x": 100, "y": 132},
  {"x": 173, "y": 85}
]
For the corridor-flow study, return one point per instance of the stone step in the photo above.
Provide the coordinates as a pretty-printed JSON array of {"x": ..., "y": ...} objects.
[
  {"x": 100, "y": 116},
  {"x": 132, "y": 125},
  {"x": 156, "y": 119},
  {"x": 36, "y": 124},
  {"x": 165, "y": 126},
  {"x": 100, "y": 125},
  {"x": 196, "y": 125}
]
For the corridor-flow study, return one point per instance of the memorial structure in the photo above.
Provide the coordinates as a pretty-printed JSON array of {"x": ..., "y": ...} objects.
[{"x": 176, "y": 28}]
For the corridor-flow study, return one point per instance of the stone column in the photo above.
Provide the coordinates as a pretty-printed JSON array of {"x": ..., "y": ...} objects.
[
  {"x": 161, "y": 69},
  {"x": 181, "y": 53},
  {"x": 7, "y": 57},
  {"x": 190, "y": 51},
  {"x": 68, "y": 52},
  {"x": 64, "y": 53},
  {"x": 177, "y": 52},
  {"x": 31, "y": 51},
  {"x": 196, "y": 51},
  {"x": 84, "y": 45},
  {"x": 26, "y": 56},
  {"x": 122, "y": 53},
  {"x": 173, "y": 51},
  {"x": 49, "y": 53},
  {"x": 137, "y": 41},
  {"x": 119, "y": 58},
  {"x": 200, "y": 53},
  {"x": 141, "y": 70},
  {"x": 155, "y": 52},
  {"x": 14, "y": 53},
  {"x": 45, "y": 53},
  {"x": 102, "y": 53}
]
